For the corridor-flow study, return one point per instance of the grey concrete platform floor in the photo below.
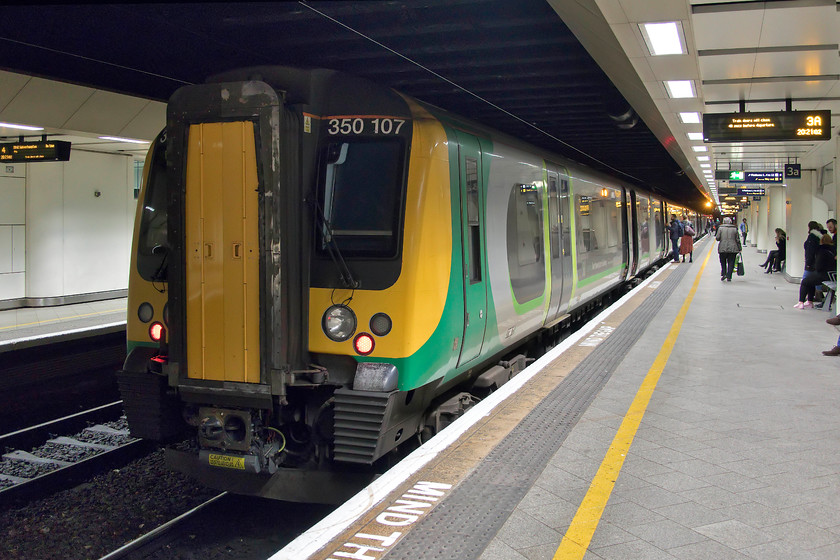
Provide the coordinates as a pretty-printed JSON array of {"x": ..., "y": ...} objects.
[
  {"x": 29, "y": 322},
  {"x": 738, "y": 453}
]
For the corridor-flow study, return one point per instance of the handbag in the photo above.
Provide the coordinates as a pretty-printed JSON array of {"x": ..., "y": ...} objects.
[{"x": 740, "y": 265}]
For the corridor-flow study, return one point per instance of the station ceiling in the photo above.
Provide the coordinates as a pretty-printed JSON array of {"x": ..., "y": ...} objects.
[{"x": 513, "y": 65}]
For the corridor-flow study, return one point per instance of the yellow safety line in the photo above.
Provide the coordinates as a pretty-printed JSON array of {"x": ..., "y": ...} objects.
[
  {"x": 577, "y": 538},
  {"x": 61, "y": 319}
]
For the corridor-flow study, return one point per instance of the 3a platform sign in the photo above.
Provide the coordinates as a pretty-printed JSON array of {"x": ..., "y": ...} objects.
[
  {"x": 793, "y": 171},
  {"x": 30, "y": 152}
]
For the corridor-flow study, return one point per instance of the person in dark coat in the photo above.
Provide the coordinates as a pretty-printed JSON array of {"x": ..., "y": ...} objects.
[
  {"x": 823, "y": 264},
  {"x": 773, "y": 262},
  {"x": 675, "y": 232},
  {"x": 811, "y": 245},
  {"x": 729, "y": 245}
]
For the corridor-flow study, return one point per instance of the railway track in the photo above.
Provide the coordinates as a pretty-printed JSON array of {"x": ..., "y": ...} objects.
[
  {"x": 160, "y": 536},
  {"x": 56, "y": 455}
]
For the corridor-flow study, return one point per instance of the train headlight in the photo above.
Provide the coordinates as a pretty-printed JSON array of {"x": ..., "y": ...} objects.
[
  {"x": 339, "y": 323},
  {"x": 145, "y": 312},
  {"x": 380, "y": 324}
]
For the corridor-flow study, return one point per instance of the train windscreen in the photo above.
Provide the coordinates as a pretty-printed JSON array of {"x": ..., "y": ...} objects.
[
  {"x": 361, "y": 197},
  {"x": 153, "y": 246}
]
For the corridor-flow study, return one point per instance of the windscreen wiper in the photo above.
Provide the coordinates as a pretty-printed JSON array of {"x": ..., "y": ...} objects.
[
  {"x": 160, "y": 273},
  {"x": 335, "y": 253}
]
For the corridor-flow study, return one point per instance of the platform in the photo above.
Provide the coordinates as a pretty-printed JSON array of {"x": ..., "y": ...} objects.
[
  {"x": 695, "y": 419},
  {"x": 31, "y": 326}
]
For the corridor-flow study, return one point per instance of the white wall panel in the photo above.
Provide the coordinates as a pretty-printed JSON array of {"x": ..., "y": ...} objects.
[
  {"x": 18, "y": 248},
  {"x": 45, "y": 229},
  {"x": 12, "y": 286},
  {"x": 12, "y": 169},
  {"x": 5, "y": 250},
  {"x": 77, "y": 242},
  {"x": 97, "y": 240},
  {"x": 12, "y": 200}
]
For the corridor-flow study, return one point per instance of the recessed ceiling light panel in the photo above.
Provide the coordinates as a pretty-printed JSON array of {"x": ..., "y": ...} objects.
[
  {"x": 20, "y": 126},
  {"x": 664, "y": 37},
  {"x": 690, "y": 118},
  {"x": 680, "y": 89}
]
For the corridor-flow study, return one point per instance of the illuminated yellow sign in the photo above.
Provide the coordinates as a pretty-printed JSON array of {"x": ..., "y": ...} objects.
[
  {"x": 770, "y": 126},
  {"x": 29, "y": 152}
]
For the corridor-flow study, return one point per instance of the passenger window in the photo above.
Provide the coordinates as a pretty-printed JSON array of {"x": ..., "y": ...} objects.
[
  {"x": 526, "y": 265},
  {"x": 554, "y": 217},
  {"x": 588, "y": 238},
  {"x": 528, "y": 224},
  {"x": 473, "y": 219}
]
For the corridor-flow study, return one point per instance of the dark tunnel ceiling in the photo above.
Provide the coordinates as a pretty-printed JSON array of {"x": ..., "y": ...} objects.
[{"x": 518, "y": 55}]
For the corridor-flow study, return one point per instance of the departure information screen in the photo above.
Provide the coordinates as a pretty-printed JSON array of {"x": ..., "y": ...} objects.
[
  {"x": 29, "y": 152},
  {"x": 767, "y": 127}
]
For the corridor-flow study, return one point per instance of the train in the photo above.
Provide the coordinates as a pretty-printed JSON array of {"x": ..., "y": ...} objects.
[{"x": 325, "y": 269}]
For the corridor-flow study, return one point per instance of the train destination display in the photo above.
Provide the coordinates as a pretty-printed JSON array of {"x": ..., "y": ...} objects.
[
  {"x": 767, "y": 127},
  {"x": 755, "y": 177},
  {"x": 29, "y": 152}
]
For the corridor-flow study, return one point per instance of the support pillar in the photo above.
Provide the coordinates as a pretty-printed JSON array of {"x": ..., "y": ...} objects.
[
  {"x": 802, "y": 206},
  {"x": 763, "y": 236}
]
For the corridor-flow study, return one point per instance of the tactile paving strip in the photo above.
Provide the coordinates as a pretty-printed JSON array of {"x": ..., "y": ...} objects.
[{"x": 468, "y": 519}]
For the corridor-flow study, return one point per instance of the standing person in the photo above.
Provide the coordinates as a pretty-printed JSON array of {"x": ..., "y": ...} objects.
[
  {"x": 675, "y": 232},
  {"x": 823, "y": 263},
  {"x": 687, "y": 241},
  {"x": 812, "y": 243},
  {"x": 728, "y": 248},
  {"x": 743, "y": 227},
  {"x": 831, "y": 224}
]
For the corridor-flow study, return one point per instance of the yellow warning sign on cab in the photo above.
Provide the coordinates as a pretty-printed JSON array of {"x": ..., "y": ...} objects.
[{"x": 226, "y": 461}]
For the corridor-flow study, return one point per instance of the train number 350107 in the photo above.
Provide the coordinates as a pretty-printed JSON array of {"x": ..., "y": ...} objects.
[{"x": 359, "y": 125}]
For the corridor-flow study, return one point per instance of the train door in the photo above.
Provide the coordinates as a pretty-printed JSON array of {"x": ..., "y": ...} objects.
[
  {"x": 559, "y": 234},
  {"x": 222, "y": 261},
  {"x": 632, "y": 208},
  {"x": 568, "y": 256},
  {"x": 472, "y": 246},
  {"x": 656, "y": 206},
  {"x": 555, "y": 248}
]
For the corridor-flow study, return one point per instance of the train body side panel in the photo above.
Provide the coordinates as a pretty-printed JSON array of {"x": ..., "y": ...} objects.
[
  {"x": 222, "y": 243},
  {"x": 516, "y": 244}
]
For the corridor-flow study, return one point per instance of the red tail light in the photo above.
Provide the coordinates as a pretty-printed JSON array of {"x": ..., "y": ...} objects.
[
  {"x": 157, "y": 332},
  {"x": 363, "y": 344}
]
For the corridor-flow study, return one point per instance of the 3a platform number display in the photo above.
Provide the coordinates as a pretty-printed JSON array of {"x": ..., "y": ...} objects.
[{"x": 793, "y": 171}]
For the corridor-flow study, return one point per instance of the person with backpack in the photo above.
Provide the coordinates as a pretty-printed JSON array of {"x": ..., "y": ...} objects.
[
  {"x": 687, "y": 241},
  {"x": 675, "y": 232}
]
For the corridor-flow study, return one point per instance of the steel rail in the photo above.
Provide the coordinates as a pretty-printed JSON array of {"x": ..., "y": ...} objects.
[{"x": 159, "y": 536}]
